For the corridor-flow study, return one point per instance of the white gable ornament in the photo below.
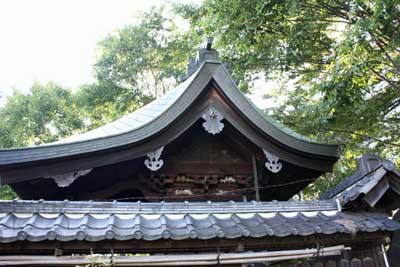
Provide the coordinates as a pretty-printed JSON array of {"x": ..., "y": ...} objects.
[
  {"x": 213, "y": 124},
  {"x": 153, "y": 161},
  {"x": 272, "y": 163},
  {"x": 66, "y": 179}
]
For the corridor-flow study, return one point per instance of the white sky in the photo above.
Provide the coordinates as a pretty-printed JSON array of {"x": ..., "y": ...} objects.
[
  {"x": 45, "y": 40},
  {"x": 55, "y": 40}
]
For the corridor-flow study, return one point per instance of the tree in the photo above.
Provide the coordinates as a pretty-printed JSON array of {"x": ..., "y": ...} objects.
[
  {"x": 343, "y": 54},
  {"x": 145, "y": 58},
  {"x": 340, "y": 57},
  {"x": 44, "y": 114},
  {"x": 103, "y": 102},
  {"x": 135, "y": 64}
]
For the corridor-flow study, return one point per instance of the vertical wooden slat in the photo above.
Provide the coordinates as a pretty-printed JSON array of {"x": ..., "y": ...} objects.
[
  {"x": 375, "y": 254},
  {"x": 344, "y": 263},
  {"x": 368, "y": 262},
  {"x": 356, "y": 263},
  {"x": 319, "y": 264},
  {"x": 331, "y": 263}
]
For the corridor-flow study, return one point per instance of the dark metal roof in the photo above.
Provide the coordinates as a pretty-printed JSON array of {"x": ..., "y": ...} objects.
[
  {"x": 372, "y": 180},
  {"x": 148, "y": 121},
  {"x": 92, "y": 221}
]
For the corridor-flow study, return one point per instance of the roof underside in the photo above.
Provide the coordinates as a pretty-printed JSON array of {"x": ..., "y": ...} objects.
[{"x": 96, "y": 221}]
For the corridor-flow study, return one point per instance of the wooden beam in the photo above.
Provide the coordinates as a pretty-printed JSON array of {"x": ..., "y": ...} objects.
[
  {"x": 173, "y": 260},
  {"x": 187, "y": 246}
]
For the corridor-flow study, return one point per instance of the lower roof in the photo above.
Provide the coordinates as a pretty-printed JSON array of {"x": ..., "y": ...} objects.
[
  {"x": 376, "y": 182},
  {"x": 95, "y": 221}
]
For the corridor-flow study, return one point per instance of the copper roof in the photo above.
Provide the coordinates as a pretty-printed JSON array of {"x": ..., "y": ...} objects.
[{"x": 148, "y": 121}]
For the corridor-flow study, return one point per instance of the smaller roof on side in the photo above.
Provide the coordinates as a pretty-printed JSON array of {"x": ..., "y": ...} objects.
[{"x": 374, "y": 179}]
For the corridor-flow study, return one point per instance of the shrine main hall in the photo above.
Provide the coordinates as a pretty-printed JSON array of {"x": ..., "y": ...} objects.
[{"x": 198, "y": 177}]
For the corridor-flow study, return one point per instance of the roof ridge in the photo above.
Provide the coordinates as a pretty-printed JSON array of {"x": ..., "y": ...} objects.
[{"x": 164, "y": 207}]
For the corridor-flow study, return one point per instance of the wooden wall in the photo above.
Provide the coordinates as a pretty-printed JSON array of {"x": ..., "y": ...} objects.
[{"x": 197, "y": 166}]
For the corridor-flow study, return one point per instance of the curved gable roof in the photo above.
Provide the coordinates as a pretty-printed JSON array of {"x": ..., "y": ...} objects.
[{"x": 159, "y": 114}]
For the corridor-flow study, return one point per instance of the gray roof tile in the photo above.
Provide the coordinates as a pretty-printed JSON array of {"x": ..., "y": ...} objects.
[
  {"x": 370, "y": 183},
  {"x": 49, "y": 222}
]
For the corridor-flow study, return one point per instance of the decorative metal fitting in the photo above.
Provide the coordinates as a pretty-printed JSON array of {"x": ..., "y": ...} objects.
[
  {"x": 272, "y": 163},
  {"x": 153, "y": 161},
  {"x": 213, "y": 124},
  {"x": 66, "y": 179}
]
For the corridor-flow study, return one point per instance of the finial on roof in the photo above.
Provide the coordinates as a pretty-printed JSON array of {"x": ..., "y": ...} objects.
[
  {"x": 209, "y": 43},
  {"x": 205, "y": 53}
]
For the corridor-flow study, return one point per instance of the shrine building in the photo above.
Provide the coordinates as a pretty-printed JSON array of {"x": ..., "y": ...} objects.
[{"x": 199, "y": 177}]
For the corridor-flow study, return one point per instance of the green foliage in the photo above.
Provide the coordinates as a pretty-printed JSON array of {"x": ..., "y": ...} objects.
[
  {"x": 44, "y": 114},
  {"x": 102, "y": 102},
  {"x": 263, "y": 36},
  {"x": 146, "y": 58},
  {"x": 136, "y": 64},
  {"x": 7, "y": 193},
  {"x": 345, "y": 56}
]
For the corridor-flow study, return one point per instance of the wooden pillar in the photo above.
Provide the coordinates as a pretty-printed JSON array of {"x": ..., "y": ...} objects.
[{"x": 255, "y": 176}]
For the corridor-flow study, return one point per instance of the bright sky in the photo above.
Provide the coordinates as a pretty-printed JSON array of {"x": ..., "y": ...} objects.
[{"x": 55, "y": 40}]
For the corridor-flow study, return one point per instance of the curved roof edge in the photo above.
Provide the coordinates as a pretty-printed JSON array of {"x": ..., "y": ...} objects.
[{"x": 160, "y": 113}]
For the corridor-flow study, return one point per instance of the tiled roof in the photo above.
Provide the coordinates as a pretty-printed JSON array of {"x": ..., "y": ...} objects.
[
  {"x": 97, "y": 207},
  {"x": 373, "y": 179},
  {"x": 362, "y": 187},
  {"x": 65, "y": 221}
]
